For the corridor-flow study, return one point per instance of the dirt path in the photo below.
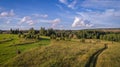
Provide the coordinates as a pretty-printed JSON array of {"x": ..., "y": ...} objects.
[{"x": 93, "y": 59}]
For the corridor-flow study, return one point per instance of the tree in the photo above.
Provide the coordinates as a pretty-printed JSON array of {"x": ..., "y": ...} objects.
[
  {"x": 37, "y": 37},
  {"x": 31, "y": 31},
  {"x": 50, "y": 32},
  {"x": 42, "y": 31},
  {"x": 53, "y": 36},
  {"x": 11, "y": 31}
]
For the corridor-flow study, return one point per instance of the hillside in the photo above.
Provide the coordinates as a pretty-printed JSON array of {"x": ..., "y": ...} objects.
[
  {"x": 57, "y": 54},
  {"x": 58, "y": 51}
]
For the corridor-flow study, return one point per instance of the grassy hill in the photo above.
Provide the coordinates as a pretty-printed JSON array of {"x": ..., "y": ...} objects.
[
  {"x": 57, "y": 53},
  {"x": 8, "y": 49}
]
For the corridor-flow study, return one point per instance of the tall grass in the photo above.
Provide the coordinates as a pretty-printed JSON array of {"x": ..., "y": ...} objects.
[
  {"x": 60, "y": 53},
  {"x": 110, "y": 57},
  {"x": 8, "y": 50},
  {"x": 57, "y": 54}
]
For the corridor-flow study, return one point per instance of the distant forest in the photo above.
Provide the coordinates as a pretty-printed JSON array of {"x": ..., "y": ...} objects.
[{"x": 109, "y": 34}]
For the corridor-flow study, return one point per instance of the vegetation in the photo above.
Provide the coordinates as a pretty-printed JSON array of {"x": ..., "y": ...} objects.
[
  {"x": 110, "y": 57},
  {"x": 69, "y": 34},
  {"x": 59, "y": 48},
  {"x": 8, "y": 49},
  {"x": 57, "y": 54}
]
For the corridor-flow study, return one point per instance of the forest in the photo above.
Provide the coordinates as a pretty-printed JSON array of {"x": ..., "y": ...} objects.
[{"x": 69, "y": 34}]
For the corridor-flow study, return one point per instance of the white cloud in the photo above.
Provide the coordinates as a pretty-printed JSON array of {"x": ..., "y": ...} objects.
[
  {"x": 4, "y": 14},
  {"x": 63, "y": 1},
  {"x": 109, "y": 17},
  {"x": 69, "y": 4},
  {"x": 55, "y": 22},
  {"x": 7, "y": 14},
  {"x": 72, "y": 5},
  {"x": 27, "y": 19},
  {"x": 30, "y": 22},
  {"x": 80, "y": 22}
]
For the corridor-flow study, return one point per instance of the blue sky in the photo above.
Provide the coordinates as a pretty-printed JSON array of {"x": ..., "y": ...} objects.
[{"x": 59, "y": 14}]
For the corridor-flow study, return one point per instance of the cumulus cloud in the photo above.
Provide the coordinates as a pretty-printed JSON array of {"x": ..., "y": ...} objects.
[
  {"x": 109, "y": 17},
  {"x": 27, "y": 19},
  {"x": 55, "y": 22},
  {"x": 30, "y": 22},
  {"x": 80, "y": 22},
  {"x": 63, "y": 1},
  {"x": 7, "y": 14}
]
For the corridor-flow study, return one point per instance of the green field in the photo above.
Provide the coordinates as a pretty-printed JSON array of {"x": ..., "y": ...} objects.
[
  {"x": 57, "y": 53},
  {"x": 8, "y": 50}
]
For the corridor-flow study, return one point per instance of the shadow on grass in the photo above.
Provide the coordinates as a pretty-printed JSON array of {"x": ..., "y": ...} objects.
[
  {"x": 93, "y": 59},
  {"x": 7, "y": 40},
  {"x": 32, "y": 42},
  {"x": 44, "y": 39}
]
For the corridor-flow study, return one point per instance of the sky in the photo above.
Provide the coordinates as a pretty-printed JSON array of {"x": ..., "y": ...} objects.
[{"x": 59, "y": 14}]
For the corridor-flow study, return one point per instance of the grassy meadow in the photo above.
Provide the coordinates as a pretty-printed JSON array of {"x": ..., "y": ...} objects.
[
  {"x": 56, "y": 53},
  {"x": 8, "y": 49},
  {"x": 110, "y": 57}
]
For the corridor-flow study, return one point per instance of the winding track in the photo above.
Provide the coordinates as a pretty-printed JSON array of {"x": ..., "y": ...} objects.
[{"x": 93, "y": 59}]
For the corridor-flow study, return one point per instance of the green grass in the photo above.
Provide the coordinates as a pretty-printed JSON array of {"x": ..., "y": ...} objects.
[
  {"x": 7, "y": 51},
  {"x": 60, "y": 53},
  {"x": 57, "y": 54}
]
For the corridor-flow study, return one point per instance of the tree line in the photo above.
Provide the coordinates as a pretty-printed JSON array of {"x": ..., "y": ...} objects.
[{"x": 68, "y": 34}]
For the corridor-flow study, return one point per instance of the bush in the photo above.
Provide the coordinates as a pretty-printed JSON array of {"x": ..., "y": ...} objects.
[
  {"x": 82, "y": 40},
  {"x": 53, "y": 36}
]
